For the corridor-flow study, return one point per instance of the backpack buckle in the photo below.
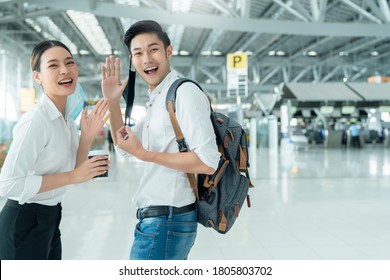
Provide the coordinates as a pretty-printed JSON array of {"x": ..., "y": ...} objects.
[{"x": 182, "y": 145}]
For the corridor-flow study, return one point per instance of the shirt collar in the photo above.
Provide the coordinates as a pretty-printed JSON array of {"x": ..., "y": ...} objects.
[
  {"x": 168, "y": 80},
  {"x": 49, "y": 106}
]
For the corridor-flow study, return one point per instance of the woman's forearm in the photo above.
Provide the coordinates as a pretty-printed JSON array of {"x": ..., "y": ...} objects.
[
  {"x": 54, "y": 181},
  {"x": 83, "y": 150}
]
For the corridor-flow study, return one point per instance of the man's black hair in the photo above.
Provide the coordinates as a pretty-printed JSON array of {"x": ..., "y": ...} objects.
[{"x": 146, "y": 26}]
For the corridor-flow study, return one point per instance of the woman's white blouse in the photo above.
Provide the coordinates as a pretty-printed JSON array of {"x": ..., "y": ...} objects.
[{"x": 44, "y": 143}]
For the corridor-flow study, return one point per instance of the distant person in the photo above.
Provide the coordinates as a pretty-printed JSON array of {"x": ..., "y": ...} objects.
[
  {"x": 167, "y": 225},
  {"x": 355, "y": 139},
  {"x": 45, "y": 156},
  {"x": 344, "y": 138},
  {"x": 110, "y": 141}
]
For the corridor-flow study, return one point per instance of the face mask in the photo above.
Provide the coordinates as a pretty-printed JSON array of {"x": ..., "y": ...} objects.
[{"x": 75, "y": 102}]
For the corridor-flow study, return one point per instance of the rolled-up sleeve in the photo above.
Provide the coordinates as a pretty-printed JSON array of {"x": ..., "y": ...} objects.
[
  {"x": 17, "y": 179},
  {"x": 193, "y": 115},
  {"x": 121, "y": 153}
]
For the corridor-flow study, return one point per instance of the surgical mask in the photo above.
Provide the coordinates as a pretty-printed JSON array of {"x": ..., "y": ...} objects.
[{"x": 75, "y": 102}]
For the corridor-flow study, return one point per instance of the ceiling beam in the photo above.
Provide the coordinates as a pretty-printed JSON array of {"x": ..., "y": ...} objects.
[
  {"x": 353, "y": 29},
  {"x": 245, "y": 8},
  {"x": 315, "y": 10},
  {"x": 362, "y": 11},
  {"x": 221, "y": 6},
  {"x": 300, "y": 8},
  {"x": 31, "y": 15},
  {"x": 385, "y": 9},
  {"x": 291, "y": 10},
  {"x": 330, "y": 74}
]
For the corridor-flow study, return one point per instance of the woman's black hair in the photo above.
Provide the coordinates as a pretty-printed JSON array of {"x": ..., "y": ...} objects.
[
  {"x": 146, "y": 26},
  {"x": 35, "y": 58}
]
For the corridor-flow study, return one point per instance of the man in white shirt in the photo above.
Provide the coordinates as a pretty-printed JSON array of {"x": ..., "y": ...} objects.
[{"x": 166, "y": 211}]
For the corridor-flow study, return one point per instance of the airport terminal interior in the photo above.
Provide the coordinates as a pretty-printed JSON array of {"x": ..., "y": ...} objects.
[{"x": 309, "y": 81}]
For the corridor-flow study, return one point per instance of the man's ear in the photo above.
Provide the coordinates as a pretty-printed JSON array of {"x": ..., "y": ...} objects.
[
  {"x": 36, "y": 77},
  {"x": 169, "y": 52}
]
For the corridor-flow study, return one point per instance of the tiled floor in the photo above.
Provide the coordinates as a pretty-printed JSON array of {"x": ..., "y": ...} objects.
[{"x": 313, "y": 205}]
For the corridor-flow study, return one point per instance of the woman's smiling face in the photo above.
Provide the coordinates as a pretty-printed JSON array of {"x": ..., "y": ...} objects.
[{"x": 58, "y": 72}]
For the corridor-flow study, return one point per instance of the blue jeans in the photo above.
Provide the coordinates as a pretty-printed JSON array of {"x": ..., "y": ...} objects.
[{"x": 164, "y": 238}]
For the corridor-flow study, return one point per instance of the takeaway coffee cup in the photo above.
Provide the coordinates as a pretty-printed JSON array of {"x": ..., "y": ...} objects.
[{"x": 99, "y": 153}]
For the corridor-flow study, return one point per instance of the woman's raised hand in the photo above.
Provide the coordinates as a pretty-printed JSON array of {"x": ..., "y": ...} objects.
[{"x": 92, "y": 123}]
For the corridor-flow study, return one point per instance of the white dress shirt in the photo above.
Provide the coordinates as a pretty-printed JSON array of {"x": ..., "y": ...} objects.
[
  {"x": 43, "y": 144},
  {"x": 160, "y": 185}
]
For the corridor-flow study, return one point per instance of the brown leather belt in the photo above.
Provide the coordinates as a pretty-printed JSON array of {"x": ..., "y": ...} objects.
[{"x": 156, "y": 211}]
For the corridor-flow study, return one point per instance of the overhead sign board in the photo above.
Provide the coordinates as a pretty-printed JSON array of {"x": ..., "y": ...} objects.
[
  {"x": 237, "y": 74},
  {"x": 238, "y": 62}
]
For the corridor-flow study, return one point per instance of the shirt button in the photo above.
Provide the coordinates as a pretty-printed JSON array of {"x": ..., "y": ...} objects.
[{"x": 147, "y": 126}]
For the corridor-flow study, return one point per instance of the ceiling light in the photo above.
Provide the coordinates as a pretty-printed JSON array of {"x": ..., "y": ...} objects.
[
  {"x": 280, "y": 53},
  {"x": 184, "y": 53},
  {"x": 34, "y": 25},
  {"x": 347, "y": 109},
  {"x": 134, "y": 3},
  {"x": 343, "y": 53},
  {"x": 271, "y": 53},
  {"x": 311, "y": 53},
  {"x": 52, "y": 31},
  {"x": 48, "y": 36},
  {"x": 374, "y": 53},
  {"x": 83, "y": 52},
  {"x": 181, "y": 6},
  {"x": 91, "y": 29},
  {"x": 216, "y": 53}
]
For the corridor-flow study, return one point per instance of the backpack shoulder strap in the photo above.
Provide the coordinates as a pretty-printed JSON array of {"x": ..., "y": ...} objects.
[
  {"x": 171, "y": 95},
  {"x": 170, "y": 105}
]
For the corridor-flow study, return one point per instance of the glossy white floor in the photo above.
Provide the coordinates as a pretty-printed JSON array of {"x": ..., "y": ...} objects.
[{"x": 313, "y": 205}]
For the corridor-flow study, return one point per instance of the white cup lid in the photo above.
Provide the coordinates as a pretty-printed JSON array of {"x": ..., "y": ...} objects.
[{"x": 98, "y": 153}]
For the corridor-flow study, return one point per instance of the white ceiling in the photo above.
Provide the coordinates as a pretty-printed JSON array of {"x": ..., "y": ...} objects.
[{"x": 351, "y": 37}]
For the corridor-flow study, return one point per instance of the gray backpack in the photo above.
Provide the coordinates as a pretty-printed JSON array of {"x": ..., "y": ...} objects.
[{"x": 219, "y": 197}]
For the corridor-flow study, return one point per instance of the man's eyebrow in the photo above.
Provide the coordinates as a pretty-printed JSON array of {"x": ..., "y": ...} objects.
[{"x": 150, "y": 45}]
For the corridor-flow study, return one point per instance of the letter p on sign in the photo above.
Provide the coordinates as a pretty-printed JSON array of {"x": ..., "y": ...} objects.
[{"x": 237, "y": 61}]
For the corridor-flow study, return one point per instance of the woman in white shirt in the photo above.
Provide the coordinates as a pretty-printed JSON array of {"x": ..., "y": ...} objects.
[{"x": 46, "y": 154}]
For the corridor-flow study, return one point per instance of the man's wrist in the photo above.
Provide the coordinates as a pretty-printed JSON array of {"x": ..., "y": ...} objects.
[
  {"x": 114, "y": 102},
  {"x": 146, "y": 155}
]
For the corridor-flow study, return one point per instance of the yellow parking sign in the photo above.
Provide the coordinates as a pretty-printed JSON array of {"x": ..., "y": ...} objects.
[{"x": 237, "y": 61}]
